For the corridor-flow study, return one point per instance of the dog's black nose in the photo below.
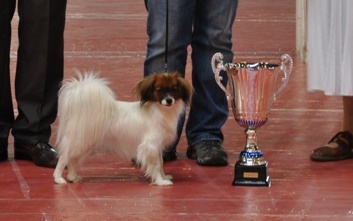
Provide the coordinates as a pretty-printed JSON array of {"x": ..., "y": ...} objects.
[{"x": 169, "y": 101}]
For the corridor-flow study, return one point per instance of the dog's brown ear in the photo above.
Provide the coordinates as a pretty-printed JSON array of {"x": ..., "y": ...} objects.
[
  {"x": 186, "y": 90},
  {"x": 144, "y": 89}
]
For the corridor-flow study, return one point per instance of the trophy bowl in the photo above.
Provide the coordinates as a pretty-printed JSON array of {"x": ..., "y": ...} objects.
[{"x": 253, "y": 86}]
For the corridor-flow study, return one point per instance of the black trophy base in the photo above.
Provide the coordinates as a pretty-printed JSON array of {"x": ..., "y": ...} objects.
[{"x": 251, "y": 175}]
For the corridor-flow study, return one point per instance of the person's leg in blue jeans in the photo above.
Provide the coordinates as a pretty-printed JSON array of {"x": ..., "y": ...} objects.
[
  {"x": 207, "y": 26},
  {"x": 209, "y": 110},
  {"x": 181, "y": 15}
]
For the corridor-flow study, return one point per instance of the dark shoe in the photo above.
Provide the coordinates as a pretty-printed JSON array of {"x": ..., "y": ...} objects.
[
  {"x": 338, "y": 148},
  {"x": 3, "y": 149},
  {"x": 208, "y": 153},
  {"x": 41, "y": 154}
]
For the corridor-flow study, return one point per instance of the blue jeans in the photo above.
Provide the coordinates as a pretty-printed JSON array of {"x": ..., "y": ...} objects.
[{"x": 207, "y": 26}]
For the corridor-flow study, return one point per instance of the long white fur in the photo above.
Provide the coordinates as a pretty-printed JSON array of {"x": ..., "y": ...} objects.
[{"x": 90, "y": 117}]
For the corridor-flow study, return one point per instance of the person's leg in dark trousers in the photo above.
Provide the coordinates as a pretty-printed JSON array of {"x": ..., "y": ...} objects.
[
  {"x": 38, "y": 76},
  {"x": 7, "y": 9}
]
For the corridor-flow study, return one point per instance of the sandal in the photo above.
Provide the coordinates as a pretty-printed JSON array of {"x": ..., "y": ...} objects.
[{"x": 338, "y": 148}]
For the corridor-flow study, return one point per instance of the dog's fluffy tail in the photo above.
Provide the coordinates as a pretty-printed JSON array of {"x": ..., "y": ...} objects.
[{"x": 85, "y": 110}]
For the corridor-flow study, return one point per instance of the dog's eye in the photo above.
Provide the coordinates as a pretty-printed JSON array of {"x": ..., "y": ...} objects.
[
  {"x": 175, "y": 88},
  {"x": 157, "y": 89}
]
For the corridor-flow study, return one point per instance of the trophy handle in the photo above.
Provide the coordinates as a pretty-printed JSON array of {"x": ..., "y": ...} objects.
[
  {"x": 286, "y": 67},
  {"x": 217, "y": 67}
]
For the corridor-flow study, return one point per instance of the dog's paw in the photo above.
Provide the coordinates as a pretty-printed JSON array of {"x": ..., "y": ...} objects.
[
  {"x": 75, "y": 179},
  {"x": 60, "y": 180},
  {"x": 162, "y": 182}
]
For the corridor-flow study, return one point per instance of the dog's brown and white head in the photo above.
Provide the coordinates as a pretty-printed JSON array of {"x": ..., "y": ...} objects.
[{"x": 165, "y": 88}]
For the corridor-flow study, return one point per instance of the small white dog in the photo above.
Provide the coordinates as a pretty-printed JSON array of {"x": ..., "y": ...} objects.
[{"x": 90, "y": 117}]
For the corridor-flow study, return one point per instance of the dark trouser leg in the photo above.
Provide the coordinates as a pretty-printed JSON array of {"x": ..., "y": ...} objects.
[
  {"x": 39, "y": 67},
  {"x": 7, "y": 8}
]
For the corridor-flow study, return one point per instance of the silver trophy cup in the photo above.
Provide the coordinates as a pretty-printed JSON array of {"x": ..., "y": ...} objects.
[{"x": 252, "y": 89}]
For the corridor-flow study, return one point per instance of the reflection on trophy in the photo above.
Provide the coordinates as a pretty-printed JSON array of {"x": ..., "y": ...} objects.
[{"x": 252, "y": 89}]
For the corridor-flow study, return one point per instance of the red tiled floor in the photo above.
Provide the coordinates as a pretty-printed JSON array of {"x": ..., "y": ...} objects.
[{"x": 109, "y": 36}]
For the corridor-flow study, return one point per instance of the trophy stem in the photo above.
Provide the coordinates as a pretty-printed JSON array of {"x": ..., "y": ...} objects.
[
  {"x": 251, "y": 168},
  {"x": 251, "y": 155},
  {"x": 251, "y": 140}
]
